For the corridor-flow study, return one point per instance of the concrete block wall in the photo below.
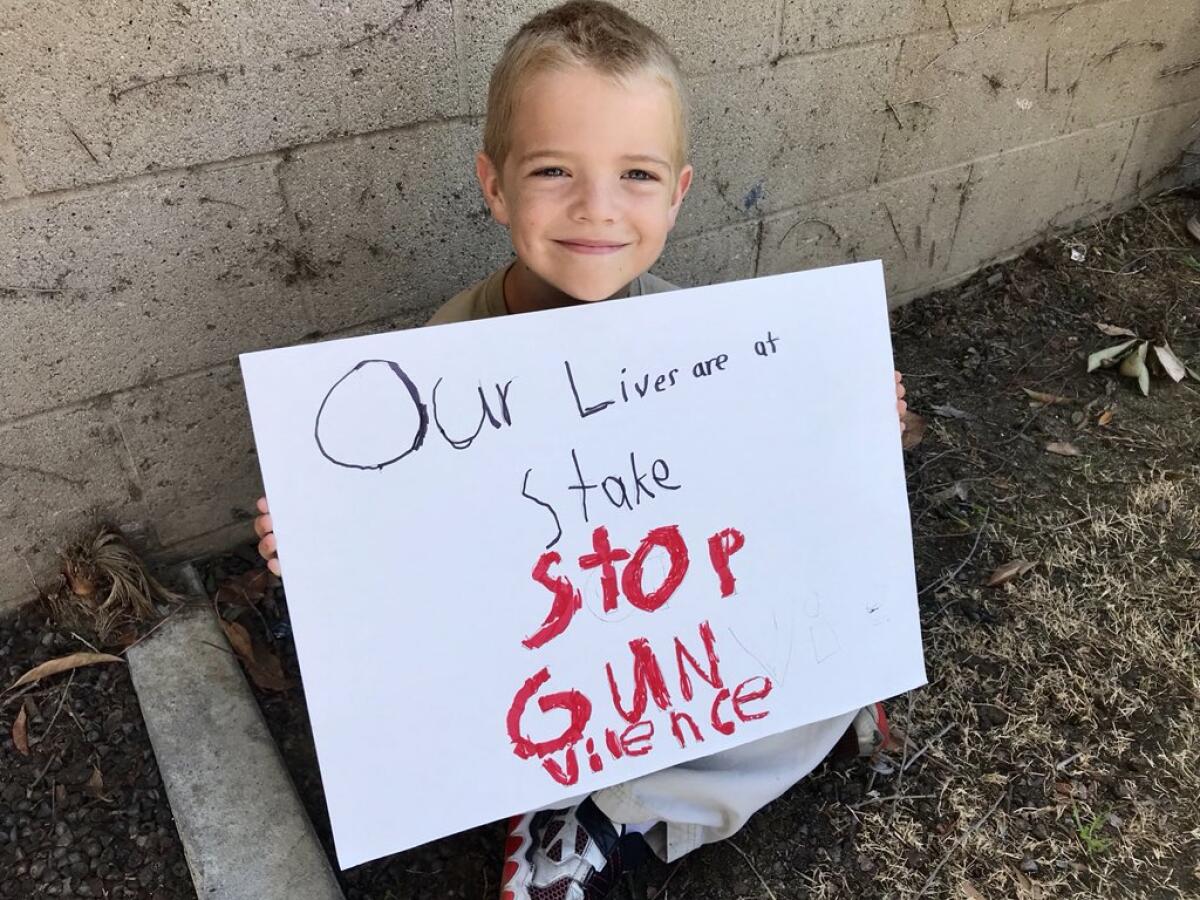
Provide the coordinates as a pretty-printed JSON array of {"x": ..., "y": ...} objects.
[{"x": 181, "y": 182}]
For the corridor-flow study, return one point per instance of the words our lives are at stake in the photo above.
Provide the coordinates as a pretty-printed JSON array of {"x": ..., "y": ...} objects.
[{"x": 631, "y": 690}]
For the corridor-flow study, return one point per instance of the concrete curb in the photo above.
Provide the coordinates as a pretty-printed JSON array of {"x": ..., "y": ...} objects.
[{"x": 245, "y": 833}]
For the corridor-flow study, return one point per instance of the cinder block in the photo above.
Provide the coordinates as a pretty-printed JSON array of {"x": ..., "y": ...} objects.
[
  {"x": 1029, "y": 7},
  {"x": 1019, "y": 195},
  {"x": 1144, "y": 54},
  {"x": 59, "y": 474},
  {"x": 206, "y": 544},
  {"x": 1006, "y": 87},
  {"x": 724, "y": 254},
  {"x": 16, "y": 587},
  {"x": 705, "y": 35},
  {"x": 821, "y": 24},
  {"x": 12, "y": 182},
  {"x": 772, "y": 138},
  {"x": 391, "y": 223},
  {"x": 96, "y": 91},
  {"x": 1164, "y": 151},
  {"x": 191, "y": 442},
  {"x": 908, "y": 224},
  {"x": 113, "y": 287}
]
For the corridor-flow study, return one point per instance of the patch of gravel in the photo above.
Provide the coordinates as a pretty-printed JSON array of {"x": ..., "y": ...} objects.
[{"x": 64, "y": 831}]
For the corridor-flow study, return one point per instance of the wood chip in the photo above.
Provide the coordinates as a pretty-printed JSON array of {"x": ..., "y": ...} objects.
[
  {"x": 1009, "y": 571},
  {"x": 1039, "y": 398},
  {"x": 20, "y": 732}
]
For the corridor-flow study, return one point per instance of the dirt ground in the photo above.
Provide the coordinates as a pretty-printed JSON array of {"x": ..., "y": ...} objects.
[
  {"x": 83, "y": 814},
  {"x": 1054, "y": 752}
]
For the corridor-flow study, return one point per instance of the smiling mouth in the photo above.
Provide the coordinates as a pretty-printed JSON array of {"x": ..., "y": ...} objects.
[{"x": 591, "y": 247}]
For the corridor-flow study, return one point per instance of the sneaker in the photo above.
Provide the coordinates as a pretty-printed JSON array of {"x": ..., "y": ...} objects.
[
  {"x": 576, "y": 853},
  {"x": 867, "y": 735}
]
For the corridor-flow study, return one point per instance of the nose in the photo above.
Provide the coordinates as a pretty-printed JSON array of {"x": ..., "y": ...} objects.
[{"x": 594, "y": 201}]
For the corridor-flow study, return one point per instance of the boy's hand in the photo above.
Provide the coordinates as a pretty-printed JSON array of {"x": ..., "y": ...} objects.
[
  {"x": 263, "y": 528},
  {"x": 901, "y": 409}
]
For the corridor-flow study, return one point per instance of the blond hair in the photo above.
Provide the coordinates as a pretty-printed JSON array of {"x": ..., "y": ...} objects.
[{"x": 580, "y": 33}]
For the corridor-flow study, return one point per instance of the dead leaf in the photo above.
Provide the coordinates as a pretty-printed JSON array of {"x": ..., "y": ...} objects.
[
  {"x": 64, "y": 664},
  {"x": 1134, "y": 366},
  {"x": 956, "y": 491},
  {"x": 970, "y": 891},
  {"x": 946, "y": 411},
  {"x": 1108, "y": 356},
  {"x": 261, "y": 664},
  {"x": 95, "y": 784},
  {"x": 249, "y": 587},
  {"x": 1175, "y": 370},
  {"x": 1105, "y": 417},
  {"x": 1062, "y": 448},
  {"x": 1115, "y": 330},
  {"x": 1041, "y": 399},
  {"x": 81, "y": 579},
  {"x": 20, "y": 732},
  {"x": 914, "y": 430},
  {"x": 1009, "y": 571}
]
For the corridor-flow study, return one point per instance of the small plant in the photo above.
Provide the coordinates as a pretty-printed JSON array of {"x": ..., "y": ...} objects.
[
  {"x": 1133, "y": 357},
  {"x": 1089, "y": 834}
]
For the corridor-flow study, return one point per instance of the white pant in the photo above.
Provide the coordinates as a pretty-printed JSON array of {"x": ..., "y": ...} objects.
[{"x": 709, "y": 799}]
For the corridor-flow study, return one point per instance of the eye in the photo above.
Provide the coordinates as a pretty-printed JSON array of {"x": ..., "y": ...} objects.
[
  {"x": 549, "y": 172},
  {"x": 641, "y": 175}
]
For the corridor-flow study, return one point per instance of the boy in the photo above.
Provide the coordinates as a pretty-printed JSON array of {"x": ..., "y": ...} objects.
[{"x": 584, "y": 161}]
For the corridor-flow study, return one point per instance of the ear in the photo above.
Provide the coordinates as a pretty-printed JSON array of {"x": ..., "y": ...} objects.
[
  {"x": 681, "y": 189},
  {"x": 489, "y": 182}
]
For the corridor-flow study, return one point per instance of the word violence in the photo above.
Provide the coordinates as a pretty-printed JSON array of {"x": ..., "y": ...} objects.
[{"x": 722, "y": 713}]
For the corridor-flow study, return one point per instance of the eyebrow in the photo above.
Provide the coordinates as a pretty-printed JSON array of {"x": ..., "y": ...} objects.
[{"x": 629, "y": 157}]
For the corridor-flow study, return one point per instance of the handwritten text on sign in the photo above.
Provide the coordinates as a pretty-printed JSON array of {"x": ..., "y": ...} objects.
[{"x": 531, "y": 557}]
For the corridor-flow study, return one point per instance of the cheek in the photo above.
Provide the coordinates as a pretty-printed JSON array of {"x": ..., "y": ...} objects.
[
  {"x": 532, "y": 214},
  {"x": 653, "y": 216}
]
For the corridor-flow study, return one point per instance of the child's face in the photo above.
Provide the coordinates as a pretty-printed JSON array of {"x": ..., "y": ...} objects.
[{"x": 588, "y": 191}]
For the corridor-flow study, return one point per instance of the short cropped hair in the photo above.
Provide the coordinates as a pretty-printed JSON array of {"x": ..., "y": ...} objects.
[{"x": 580, "y": 33}]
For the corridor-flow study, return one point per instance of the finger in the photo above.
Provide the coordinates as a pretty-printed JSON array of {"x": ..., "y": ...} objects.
[
  {"x": 901, "y": 407},
  {"x": 897, "y": 374},
  {"x": 901, "y": 390},
  {"x": 267, "y": 546},
  {"x": 273, "y": 565},
  {"x": 263, "y": 526},
  {"x": 262, "y": 505}
]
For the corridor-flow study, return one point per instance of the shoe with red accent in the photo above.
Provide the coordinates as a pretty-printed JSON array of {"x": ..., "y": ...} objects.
[
  {"x": 576, "y": 853},
  {"x": 867, "y": 735}
]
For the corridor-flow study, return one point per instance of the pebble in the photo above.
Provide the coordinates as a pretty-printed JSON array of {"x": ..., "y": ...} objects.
[{"x": 1028, "y": 865}]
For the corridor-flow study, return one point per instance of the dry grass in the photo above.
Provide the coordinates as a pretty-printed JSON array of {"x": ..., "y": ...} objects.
[
  {"x": 1074, "y": 741},
  {"x": 1061, "y": 725},
  {"x": 106, "y": 589}
]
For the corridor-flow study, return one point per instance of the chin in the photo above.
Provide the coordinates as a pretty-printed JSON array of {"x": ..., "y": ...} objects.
[{"x": 590, "y": 290}]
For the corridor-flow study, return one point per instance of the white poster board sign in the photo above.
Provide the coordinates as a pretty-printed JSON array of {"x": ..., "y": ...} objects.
[{"x": 530, "y": 557}]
